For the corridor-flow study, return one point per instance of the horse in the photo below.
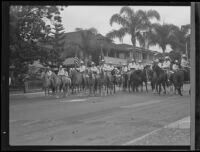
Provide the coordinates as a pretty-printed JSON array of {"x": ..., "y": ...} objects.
[
  {"x": 76, "y": 80},
  {"x": 124, "y": 81},
  {"x": 129, "y": 82},
  {"x": 65, "y": 84},
  {"x": 110, "y": 82},
  {"x": 102, "y": 82},
  {"x": 91, "y": 82},
  {"x": 161, "y": 78},
  {"x": 46, "y": 82},
  {"x": 136, "y": 80},
  {"x": 186, "y": 75},
  {"x": 178, "y": 79},
  {"x": 56, "y": 83},
  {"x": 119, "y": 80},
  {"x": 98, "y": 82},
  {"x": 145, "y": 77},
  {"x": 152, "y": 78}
]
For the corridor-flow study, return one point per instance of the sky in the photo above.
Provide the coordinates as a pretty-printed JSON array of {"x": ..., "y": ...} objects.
[{"x": 98, "y": 17}]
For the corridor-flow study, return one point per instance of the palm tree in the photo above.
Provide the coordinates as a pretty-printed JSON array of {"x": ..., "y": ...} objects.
[
  {"x": 181, "y": 40},
  {"x": 132, "y": 22},
  {"x": 162, "y": 35}
]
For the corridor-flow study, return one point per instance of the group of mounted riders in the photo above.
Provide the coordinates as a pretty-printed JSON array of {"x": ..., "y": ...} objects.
[{"x": 105, "y": 77}]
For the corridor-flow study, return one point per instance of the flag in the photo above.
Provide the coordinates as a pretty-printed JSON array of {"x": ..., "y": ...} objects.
[{"x": 77, "y": 62}]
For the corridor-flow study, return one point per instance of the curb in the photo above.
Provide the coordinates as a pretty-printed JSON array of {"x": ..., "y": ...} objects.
[{"x": 182, "y": 124}]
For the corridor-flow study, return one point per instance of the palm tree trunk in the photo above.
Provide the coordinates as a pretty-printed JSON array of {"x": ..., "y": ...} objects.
[{"x": 133, "y": 40}]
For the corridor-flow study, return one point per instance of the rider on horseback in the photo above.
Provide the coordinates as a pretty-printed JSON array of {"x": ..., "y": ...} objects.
[
  {"x": 124, "y": 68},
  {"x": 140, "y": 66},
  {"x": 132, "y": 66},
  {"x": 159, "y": 62},
  {"x": 166, "y": 66},
  {"x": 82, "y": 68},
  {"x": 48, "y": 71},
  {"x": 184, "y": 62},
  {"x": 94, "y": 69},
  {"x": 175, "y": 66},
  {"x": 110, "y": 67},
  {"x": 61, "y": 72}
]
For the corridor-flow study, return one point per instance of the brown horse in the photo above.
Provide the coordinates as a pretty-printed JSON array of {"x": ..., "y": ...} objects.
[
  {"x": 91, "y": 82},
  {"x": 102, "y": 83},
  {"x": 76, "y": 80},
  {"x": 46, "y": 82},
  {"x": 161, "y": 77},
  {"x": 56, "y": 83},
  {"x": 109, "y": 82}
]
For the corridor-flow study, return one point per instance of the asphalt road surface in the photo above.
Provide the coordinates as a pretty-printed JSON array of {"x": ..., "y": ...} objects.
[{"x": 76, "y": 120}]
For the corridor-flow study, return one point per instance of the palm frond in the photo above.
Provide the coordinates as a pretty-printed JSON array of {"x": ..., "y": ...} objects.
[
  {"x": 128, "y": 11},
  {"x": 153, "y": 14},
  {"x": 117, "y": 33},
  {"x": 116, "y": 18}
]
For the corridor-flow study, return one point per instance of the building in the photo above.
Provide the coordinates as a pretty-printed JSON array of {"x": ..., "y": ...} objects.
[{"x": 84, "y": 44}]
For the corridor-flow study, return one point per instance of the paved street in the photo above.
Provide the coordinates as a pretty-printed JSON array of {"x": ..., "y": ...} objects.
[{"x": 112, "y": 120}]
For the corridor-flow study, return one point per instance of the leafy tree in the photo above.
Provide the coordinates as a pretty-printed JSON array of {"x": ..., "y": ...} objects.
[
  {"x": 132, "y": 22},
  {"x": 28, "y": 26},
  {"x": 56, "y": 42},
  {"x": 181, "y": 39}
]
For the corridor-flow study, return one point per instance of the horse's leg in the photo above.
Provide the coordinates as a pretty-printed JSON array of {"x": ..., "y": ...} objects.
[
  {"x": 146, "y": 86},
  {"x": 179, "y": 91},
  {"x": 159, "y": 88},
  {"x": 163, "y": 84},
  {"x": 141, "y": 86}
]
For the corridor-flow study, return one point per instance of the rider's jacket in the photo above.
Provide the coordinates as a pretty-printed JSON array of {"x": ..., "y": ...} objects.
[
  {"x": 94, "y": 69},
  {"x": 140, "y": 67},
  {"x": 125, "y": 69},
  {"x": 106, "y": 67},
  {"x": 175, "y": 67},
  {"x": 160, "y": 64},
  {"x": 66, "y": 74},
  {"x": 61, "y": 71},
  {"x": 49, "y": 72},
  {"x": 110, "y": 67},
  {"x": 116, "y": 71},
  {"x": 166, "y": 65},
  {"x": 132, "y": 66},
  {"x": 184, "y": 63},
  {"x": 82, "y": 68}
]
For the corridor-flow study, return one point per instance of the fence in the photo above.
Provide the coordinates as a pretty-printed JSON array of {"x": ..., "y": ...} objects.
[
  {"x": 33, "y": 85},
  {"x": 27, "y": 86}
]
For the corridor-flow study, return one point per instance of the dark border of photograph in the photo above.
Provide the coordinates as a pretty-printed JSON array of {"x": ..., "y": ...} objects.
[{"x": 195, "y": 105}]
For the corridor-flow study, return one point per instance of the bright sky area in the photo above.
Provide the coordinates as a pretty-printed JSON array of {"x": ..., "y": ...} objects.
[{"x": 98, "y": 17}]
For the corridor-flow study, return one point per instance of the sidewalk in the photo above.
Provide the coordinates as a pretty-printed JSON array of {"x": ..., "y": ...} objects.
[{"x": 177, "y": 133}]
